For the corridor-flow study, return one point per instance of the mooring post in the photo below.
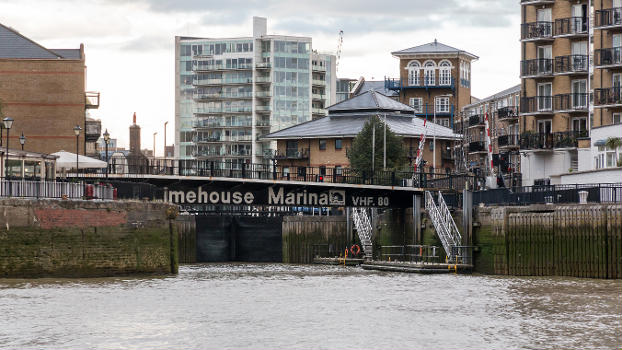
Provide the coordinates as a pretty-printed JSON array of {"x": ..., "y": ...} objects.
[
  {"x": 416, "y": 219},
  {"x": 350, "y": 238},
  {"x": 467, "y": 215}
]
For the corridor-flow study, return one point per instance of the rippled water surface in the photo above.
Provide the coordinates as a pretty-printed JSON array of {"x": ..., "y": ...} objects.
[{"x": 237, "y": 306}]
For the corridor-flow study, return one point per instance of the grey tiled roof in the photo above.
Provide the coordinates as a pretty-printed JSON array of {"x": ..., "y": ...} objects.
[
  {"x": 72, "y": 54},
  {"x": 369, "y": 101},
  {"x": 378, "y": 86},
  {"x": 513, "y": 89},
  {"x": 351, "y": 125},
  {"x": 15, "y": 45},
  {"x": 433, "y": 47}
]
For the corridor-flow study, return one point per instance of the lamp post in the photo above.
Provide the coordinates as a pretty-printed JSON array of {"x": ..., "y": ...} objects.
[
  {"x": 154, "y": 149},
  {"x": 76, "y": 130},
  {"x": 165, "y": 123},
  {"x": 22, "y": 140},
  {"x": 106, "y": 141},
  {"x": 8, "y": 123},
  {"x": 434, "y": 132}
]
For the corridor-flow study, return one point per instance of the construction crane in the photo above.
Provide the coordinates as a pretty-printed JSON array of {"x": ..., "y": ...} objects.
[{"x": 339, "y": 45}]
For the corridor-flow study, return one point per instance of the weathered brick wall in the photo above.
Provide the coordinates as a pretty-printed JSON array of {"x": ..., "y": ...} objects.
[{"x": 84, "y": 238}]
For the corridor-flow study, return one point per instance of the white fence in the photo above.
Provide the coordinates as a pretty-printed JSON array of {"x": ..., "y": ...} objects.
[{"x": 54, "y": 189}]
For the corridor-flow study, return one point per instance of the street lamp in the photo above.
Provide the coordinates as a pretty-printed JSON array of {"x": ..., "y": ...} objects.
[
  {"x": 8, "y": 123},
  {"x": 106, "y": 141},
  {"x": 434, "y": 132},
  {"x": 22, "y": 140},
  {"x": 76, "y": 130}
]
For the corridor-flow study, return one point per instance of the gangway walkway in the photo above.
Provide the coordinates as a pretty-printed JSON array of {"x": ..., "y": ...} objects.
[
  {"x": 444, "y": 225},
  {"x": 363, "y": 226}
]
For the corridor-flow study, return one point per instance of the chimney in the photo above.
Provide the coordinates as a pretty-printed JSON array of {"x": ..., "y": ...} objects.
[
  {"x": 134, "y": 119},
  {"x": 134, "y": 137}
]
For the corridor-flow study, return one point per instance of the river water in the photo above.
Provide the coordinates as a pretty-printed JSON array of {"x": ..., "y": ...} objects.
[{"x": 271, "y": 306}]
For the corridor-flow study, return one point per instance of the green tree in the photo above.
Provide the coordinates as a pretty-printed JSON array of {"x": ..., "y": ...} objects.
[
  {"x": 360, "y": 153},
  {"x": 613, "y": 143}
]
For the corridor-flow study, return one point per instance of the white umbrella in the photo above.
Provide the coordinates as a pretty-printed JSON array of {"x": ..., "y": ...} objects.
[{"x": 67, "y": 160}]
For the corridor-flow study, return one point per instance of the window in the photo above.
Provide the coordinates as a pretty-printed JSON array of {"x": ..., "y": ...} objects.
[
  {"x": 545, "y": 101},
  {"x": 338, "y": 170},
  {"x": 611, "y": 159},
  {"x": 442, "y": 105},
  {"x": 429, "y": 73},
  {"x": 445, "y": 73},
  {"x": 338, "y": 144},
  {"x": 579, "y": 93},
  {"x": 413, "y": 73},
  {"x": 322, "y": 143},
  {"x": 417, "y": 104},
  {"x": 444, "y": 122},
  {"x": 617, "y": 118}
]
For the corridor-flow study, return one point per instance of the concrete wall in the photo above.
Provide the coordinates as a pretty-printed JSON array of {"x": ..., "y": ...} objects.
[
  {"x": 542, "y": 165},
  {"x": 84, "y": 238},
  {"x": 610, "y": 175}
]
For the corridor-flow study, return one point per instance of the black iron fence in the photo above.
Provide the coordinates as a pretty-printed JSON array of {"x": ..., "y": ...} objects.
[{"x": 19, "y": 188}]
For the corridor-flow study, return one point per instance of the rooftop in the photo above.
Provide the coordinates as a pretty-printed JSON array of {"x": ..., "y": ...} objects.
[
  {"x": 432, "y": 48},
  {"x": 514, "y": 89},
  {"x": 15, "y": 45},
  {"x": 370, "y": 100}
]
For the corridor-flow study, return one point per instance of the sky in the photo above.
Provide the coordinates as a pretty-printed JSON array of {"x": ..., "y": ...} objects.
[{"x": 129, "y": 45}]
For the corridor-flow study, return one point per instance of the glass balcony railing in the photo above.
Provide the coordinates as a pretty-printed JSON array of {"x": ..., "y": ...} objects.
[
  {"x": 207, "y": 110},
  {"x": 203, "y": 96}
]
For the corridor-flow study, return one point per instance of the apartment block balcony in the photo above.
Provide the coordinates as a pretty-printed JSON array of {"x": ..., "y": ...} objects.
[
  {"x": 317, "y": 68},
  {"x": 549, "y": 141},
  {"x": 537, "y": 31},
  {"x": 318, "y": 97},
  {"x": 222, "y": 153},
  {"x": 399, "y": 84},
  {"x": 318, "y": 111},
  {"x": 231, "y": 81},
  {"x": 221, "y": 96},
  {"x": 91, "y": 100},
  {"x": 571, "y": 64},
  {"x": 537, "y": 68},
  {"x": 507, "y": 113},
  {"x": 199, "y": 67},
  {"x": 477, "y": 147},
  {"x": 208, "y": 124},
  {"x": 572, "y": 27},
  {"x": 292, "y": 153},
  {"x": 263, "y": 79},
  {"x": 263, "y": 109},
  {"x": 476, "y": 120},
  {"x": 216, "y": 110},
  {"x": 568, "y": 103},
  {"x": 610, "y": 18},
  {"x": 263, "y": 65},
  {"x": 508, "y": 141},
  {"x": 608, "y": 58},
  {"x": 262, "y": 123},
  {"x": 536, "y": 105},
  {"x": 318, "y": 82},
  {"x": 263, "y": 94},
  {"x": 608, "y": 97},
  {"x": 537, "y": 2},
  {"x": 222, "y": 138}
]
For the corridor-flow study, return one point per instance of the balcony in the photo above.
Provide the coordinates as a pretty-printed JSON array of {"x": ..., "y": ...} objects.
[
  {"x": 477, "y": 146},
  {"x": 211, "y": 96},
  {"x": 398, "y": 84},
  {"x": 608, "y": 97},
  {"x": 222, "y": 153},
  {"x": 292, "y": 153},
  {"x": 536, "y": 105},
  {"x": 608, "y": 18},
  {"x": 571, "y": 64},
  {"x": 318, "y": 97},
  {"x": 263, "y": 94},
  {"x": 207, "y": 82},
  {"x": 538, "y": 68},
  {"x": 537, "y": 31},
  {"x": 262, "y": 123},
  {"x": 608, "y": 58},
  {"x": 318, "y": 82},
  {"x": 575, "y": 102},
  {"x": 222, "y": 138},
  {"x": 263, "y": 79},
  {"x": 507, "y": 113},
  {"x": 263, "y": 109},
  {"x": 507, "y": 141},
  {"x": 91, "y": 100},
  {"x": 219, "y": 67},
  {"x": 216, "y": 110},
  {"x": 316, "y": 68},
  {"x": 546, "y": 141},
  {"x": 476, "y": 120},
  {"x": 205, "y": 124},
  {"x": 263, "y": 65},
  {"x": 320, "y": 111},
  {"x": 571, "y": 27}
]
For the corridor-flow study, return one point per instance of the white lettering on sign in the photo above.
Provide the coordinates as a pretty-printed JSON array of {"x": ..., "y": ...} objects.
[
  {"x": 370, "y": 201},
  {"x": 209, "y": 197},
  {"x": 280, "y": 197}
]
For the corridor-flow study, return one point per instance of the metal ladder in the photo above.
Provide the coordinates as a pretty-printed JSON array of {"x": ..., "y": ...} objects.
[
  {"x": 444, "y": 224},
  {"x": 363, "y": 229}
]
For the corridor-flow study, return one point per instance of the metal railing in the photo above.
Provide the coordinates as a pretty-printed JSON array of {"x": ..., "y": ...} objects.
[
  {"x": 537, "y": 67},
  {"x": 477, "y": 146},
  {"x": 571, "y": 64},
  {"x": 570, "y": 26},
  {"x": 536, "y": 104},
  {"x": 54, "y": 189},
  {"x": 537, "y": 30},
  {"x": 396, "y": 84},
  {"x": 507, "y": 140},
  {"x": 409, "y": 253},
  {"x": 608, "y": 17},
  {"x": 526, "y": 195},
  {"x": 570, "y": 102},
  {"x": 608, "y": 96},
  {"x": 476, "y": 120},
  {"x": 608, "y": 56},
  {"x": 363, "y": 226},
  {"x": 508, "y": 112},
  {"x": 562, "y": 139},
  {"x": 443, "y": 224}
]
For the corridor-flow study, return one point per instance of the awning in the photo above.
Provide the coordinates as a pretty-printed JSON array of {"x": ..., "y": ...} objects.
[
  {"x": 67, "y": 160},
  {"x": 600, "y": 143}
]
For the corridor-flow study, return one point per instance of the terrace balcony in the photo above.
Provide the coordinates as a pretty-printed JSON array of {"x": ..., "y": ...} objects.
[
  {"x": 571, "y": 64},
  {"x": 91, "y": 100},
  {"x": 608, "y": 58},
  {"x": 610, "y": 18},
  {"x": 263, "y": 65},
  {"x": 572, "y": 27},
  {"x": 507, "y": 113},
  {"x": 537, "y": 68},
  {"x": 536, "y": 105},
  {"x": 568, "y": 103},
  {"x": 508, "y": 141},
  {"x": 399, "y": 84},
  {"x": 476, "y": 120},
  {"x": 537, "y": 31},
  {"x": 608, "y": 97},
  {"x": 292, "y": 153},
  {"x": 221, "y": 96},
  {"x": 549, "y": 141}
]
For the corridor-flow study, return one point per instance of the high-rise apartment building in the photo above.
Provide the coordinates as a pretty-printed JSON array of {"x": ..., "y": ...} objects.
[
  {"x": 607, "y": 82},
  {"x": 435, "y": 79},
  {"x": 231, "y": 91},
  {"x": 555, "y": 85}
]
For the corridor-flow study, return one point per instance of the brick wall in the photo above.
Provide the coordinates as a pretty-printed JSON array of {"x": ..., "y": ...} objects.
[{"x": 83, "y": 238}]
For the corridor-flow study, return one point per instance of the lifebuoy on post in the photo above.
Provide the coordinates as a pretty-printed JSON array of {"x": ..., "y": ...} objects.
[{"x": 355, "y": 249}]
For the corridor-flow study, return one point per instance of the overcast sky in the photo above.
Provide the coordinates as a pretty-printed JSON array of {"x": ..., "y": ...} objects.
[{"x": 129, "y": 45}]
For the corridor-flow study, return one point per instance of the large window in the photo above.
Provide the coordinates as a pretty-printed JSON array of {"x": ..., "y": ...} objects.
[
  {"x": 445, "y": 73},
  {"x": 417, "y": 104},
  {"x": 413, "y": 73},
  {"x": 442, "y": 105},
  {"x": 429, "y": 73}
]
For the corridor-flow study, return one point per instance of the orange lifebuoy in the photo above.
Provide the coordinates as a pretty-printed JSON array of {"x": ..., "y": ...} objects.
[{"x": 355, "y": 249}]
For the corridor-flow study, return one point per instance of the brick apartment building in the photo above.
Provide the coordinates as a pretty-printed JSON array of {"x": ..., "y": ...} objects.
[
  {"x": 434, "y": 77},
  {"x": 43, "y": 90}
]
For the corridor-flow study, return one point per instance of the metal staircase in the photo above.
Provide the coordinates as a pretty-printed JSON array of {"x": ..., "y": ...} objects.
[
  {"x": 364, "y": 229},
  {"x": 444, "y": 224}
]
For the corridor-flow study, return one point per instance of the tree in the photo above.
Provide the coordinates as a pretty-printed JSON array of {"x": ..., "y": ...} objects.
[
  {"x": 613, "y": 143},
  {"x": 360, "y": 153}
]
